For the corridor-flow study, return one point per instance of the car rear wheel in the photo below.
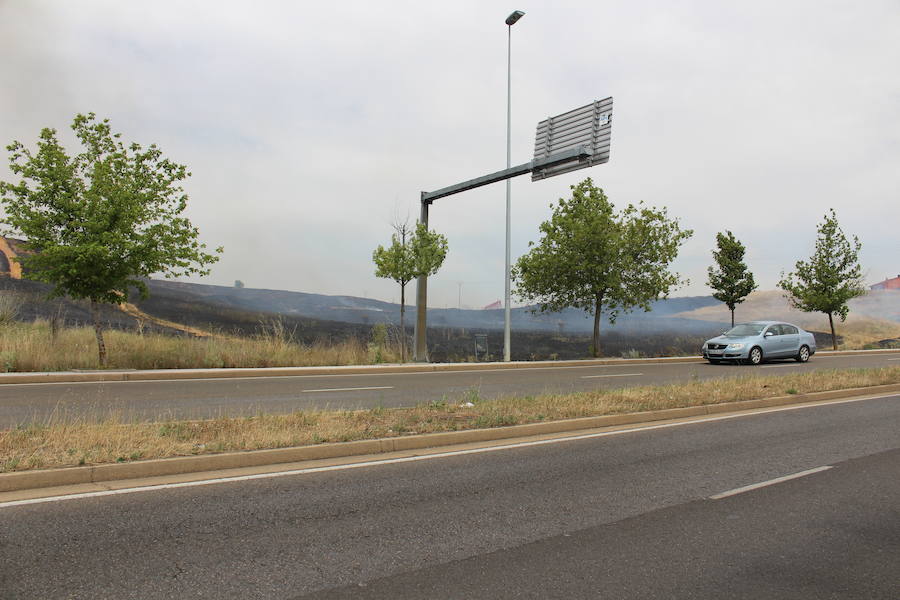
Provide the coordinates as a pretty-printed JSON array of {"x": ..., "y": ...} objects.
[
  {"x": 803, "y": 354},
  {"x": 755, "y": 357}
]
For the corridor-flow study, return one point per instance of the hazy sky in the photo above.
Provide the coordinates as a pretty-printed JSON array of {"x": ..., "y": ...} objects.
[{"x": 310, "y": 126}]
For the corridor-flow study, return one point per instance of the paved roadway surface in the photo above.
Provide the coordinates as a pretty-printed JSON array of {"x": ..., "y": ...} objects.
[
  {"x": 161, "y": 400},
  {"x": 627, "y": 515}
]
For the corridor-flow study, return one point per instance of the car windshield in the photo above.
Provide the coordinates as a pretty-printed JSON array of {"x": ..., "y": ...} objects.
[{"x": 745, "y": 329}]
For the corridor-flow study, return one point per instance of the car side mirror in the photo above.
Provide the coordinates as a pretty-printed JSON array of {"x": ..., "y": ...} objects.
[{"x": 770, "y": 333}]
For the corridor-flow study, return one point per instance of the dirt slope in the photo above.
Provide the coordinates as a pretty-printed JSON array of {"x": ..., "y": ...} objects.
[
  {"x": 872, "y": 317},
  {"x": 14, "y": 269},
  {"x": 141, "y": 317}
]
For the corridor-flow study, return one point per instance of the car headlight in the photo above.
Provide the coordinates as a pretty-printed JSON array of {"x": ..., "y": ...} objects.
[{"x": 735, "y": 346}]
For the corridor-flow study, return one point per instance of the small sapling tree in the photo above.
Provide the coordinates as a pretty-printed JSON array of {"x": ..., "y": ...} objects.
[
  {"x": 830, "y": 279},
  {"x": 414, "y": 252},
  {"x": 730, "y": 278}
]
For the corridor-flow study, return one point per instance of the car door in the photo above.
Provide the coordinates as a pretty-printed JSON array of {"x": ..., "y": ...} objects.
[
  {"x": 770, "y": 340},
  {"x": 790, "y": 342}
]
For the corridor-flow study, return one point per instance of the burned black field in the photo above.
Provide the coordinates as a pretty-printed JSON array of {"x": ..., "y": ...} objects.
[{"x": 224, "y": 311}]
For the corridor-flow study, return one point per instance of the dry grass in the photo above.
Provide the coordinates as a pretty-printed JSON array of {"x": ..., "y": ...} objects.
[
  {"x": 29, "y": 347},
  {"x": 57, "y": 444},
  {"x": 10, "y": 306},
  {"x": 863, "y": 333}
]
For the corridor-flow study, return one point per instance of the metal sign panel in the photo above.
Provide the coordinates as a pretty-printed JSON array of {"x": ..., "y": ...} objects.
[{"x": 587, "y": 128}]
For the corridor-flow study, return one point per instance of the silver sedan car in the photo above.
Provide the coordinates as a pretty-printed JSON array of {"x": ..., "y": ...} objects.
[{"x": 758, "y": 341}]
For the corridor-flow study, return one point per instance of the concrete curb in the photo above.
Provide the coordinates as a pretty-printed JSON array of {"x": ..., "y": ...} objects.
[
  {"x": 25, "y": 480},
  {"x": 181, "y": 374}
]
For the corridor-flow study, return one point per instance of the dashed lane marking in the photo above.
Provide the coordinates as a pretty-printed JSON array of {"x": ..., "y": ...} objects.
[
  {"x": 356, "y": 389},
  {"x": 762, "y": 484},
  {"x": 611, "y": 375}
]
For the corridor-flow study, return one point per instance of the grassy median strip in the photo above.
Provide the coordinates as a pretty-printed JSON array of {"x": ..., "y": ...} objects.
[{"x": 59, "y": 443}]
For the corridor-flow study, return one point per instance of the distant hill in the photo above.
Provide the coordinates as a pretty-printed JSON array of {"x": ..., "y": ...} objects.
[
  {"x": 201, "y": 303},
  {"x": 873, "y": 318},
  {"x": 198, "y": 304},
  {"x": 665, "y": 315},
  {"x": 881, "y": 305}
]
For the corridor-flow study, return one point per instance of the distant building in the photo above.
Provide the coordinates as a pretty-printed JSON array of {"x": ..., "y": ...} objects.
[
  {"x": 888, "y": 284},
  {"x": 493, "y": 305}
]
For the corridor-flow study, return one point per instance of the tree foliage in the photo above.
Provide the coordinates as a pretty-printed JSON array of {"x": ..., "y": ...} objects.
[
  {"x": 592, "y": 258},
  {"x": 830, "y": 279},
  {"x": 730, "y": 278},
  {"x": 414, "y": 252},
  {"x": 103, "y": 220}
]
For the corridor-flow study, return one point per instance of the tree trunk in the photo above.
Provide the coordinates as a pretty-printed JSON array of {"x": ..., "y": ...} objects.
[
  {"x": 833, "y": 337},
  {"x": 55, "y": 322},
  {"x": 595, "y": 346},
  {"x": 402, "y": 322},
  {"x": 732, "y": 317},
  {"x": 98, "y": 331}
]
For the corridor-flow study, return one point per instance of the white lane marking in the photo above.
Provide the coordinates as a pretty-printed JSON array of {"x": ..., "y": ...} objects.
[
  {"x": 763, "y": 484},
  {"x": 437, "y": 372},
  {"x": 611, "y": 375},
  {"x": 357, "y": 389},
  {"x": 282, "y": 377},
  {"x": 389, "y": 461}
]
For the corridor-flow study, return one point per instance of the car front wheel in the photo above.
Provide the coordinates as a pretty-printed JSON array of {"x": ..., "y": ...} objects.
[
  {"x": 803, "y": 354},
  {"x": 755, "y": 356}
]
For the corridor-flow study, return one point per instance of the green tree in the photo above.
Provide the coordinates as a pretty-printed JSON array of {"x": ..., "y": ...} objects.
[
  {"x": 731, "y": 279},
  {"x": 830, "y": 279},
  {"x": 413, "y": 253},
  {"x": 103, "y": 220},
  {"x": 594, "y": 259}
]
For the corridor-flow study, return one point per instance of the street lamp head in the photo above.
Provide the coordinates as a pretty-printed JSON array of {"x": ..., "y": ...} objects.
[{"x": 515, "y": 16}]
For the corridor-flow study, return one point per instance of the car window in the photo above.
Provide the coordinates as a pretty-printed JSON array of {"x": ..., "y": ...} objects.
[
  {"x": 788, "y": 329},
  {"x": 774, "y": 329},
  {"x": 745, "y": 329}
]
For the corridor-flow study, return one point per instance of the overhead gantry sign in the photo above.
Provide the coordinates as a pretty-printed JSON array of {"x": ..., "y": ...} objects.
[{"x": 573, "y": 140}]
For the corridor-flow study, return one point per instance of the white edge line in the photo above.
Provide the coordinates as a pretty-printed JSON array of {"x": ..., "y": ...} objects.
[
  {"x": 356, "y": 389},
  {"x": 611, "y": 375},
  {"x": 762, "y": 484},
  {"x": 389, "y": 461}
]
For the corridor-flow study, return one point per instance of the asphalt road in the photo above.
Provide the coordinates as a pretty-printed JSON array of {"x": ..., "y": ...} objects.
[
  {"x": 828, "y": 537},
  {"x": 204, "y": 398},
  {"x": 627, "y": 515}
]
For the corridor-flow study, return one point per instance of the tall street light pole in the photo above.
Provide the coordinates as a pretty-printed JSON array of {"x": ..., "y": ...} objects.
[{"x": 510, "y": 21}]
